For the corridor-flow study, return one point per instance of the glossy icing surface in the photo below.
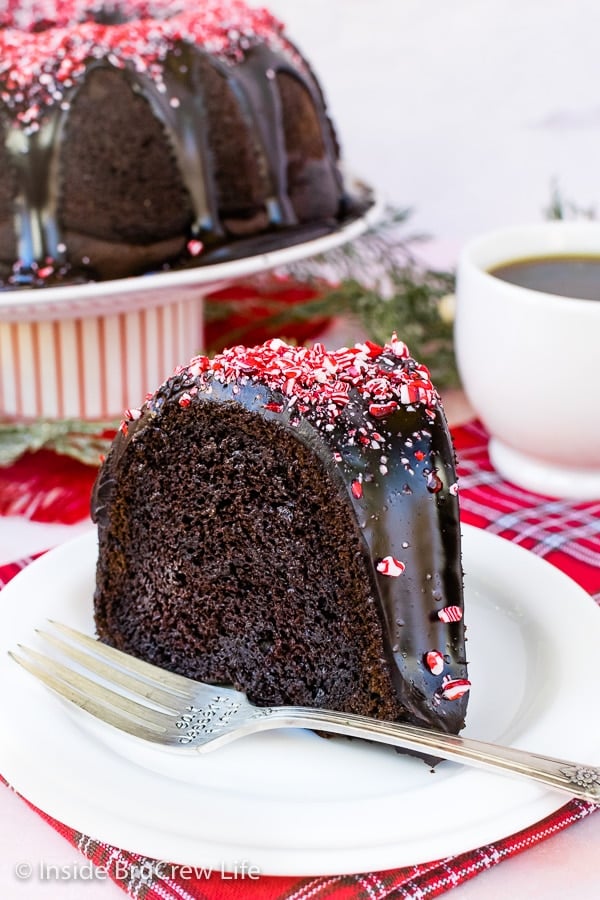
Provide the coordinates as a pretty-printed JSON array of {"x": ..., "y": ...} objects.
[
  {"x": 374, "y": 419},
  {"x": 47, "y": 52}
]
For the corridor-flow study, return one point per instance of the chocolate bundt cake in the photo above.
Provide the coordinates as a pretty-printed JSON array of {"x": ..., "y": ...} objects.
[
  {"x": 285, "y": 520},
  {"x": 138, "y": 135}
]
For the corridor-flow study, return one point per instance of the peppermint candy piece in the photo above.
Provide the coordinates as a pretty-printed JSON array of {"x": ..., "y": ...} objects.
[
  {"x": 455, "y": 688},
  {"x": 434, "y": 662},
  {"x": 450, "y": 614},
  {"x": 399, "y": 348},
  {"x": 195, "y": 248},
  {"x": 390, "y": 566},
  {"x": 379, "y": 410},
  {"x": 357, "y": 489}
]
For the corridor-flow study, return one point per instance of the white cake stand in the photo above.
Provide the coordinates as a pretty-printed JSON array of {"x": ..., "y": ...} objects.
[{"x": 90, "y": 351}]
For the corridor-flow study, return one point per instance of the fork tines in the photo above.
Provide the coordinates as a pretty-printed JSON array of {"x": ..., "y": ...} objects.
[{"x": 154, "y": 697}]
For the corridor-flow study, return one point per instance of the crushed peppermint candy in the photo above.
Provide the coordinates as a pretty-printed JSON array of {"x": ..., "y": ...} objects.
[
  {"x": 434, "y": 662},
  {"x": 399, "y": 348},
  {"x": 195, "y": 247},
  {"x": 357, "y": 489},
  {"x": 454, "y": 688},
  {"x": 379, "y": 410},
  {"x": 434, "y": 483},
  {"x": 450, "y": 614},
  {"x": 46, "y": 45},
  {"x": 321, "y": 379},
  {"x": 390, "y": 566}
]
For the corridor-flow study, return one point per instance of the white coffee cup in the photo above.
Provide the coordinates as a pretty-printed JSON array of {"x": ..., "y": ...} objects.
[{"x": 529, "y": 361}]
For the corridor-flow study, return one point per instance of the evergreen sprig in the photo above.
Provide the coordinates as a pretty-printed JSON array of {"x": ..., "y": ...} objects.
[{"x": 85, "y": 441}]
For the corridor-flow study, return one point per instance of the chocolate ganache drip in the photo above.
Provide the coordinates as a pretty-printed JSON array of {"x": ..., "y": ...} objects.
[{"x": 173, "y": 56}]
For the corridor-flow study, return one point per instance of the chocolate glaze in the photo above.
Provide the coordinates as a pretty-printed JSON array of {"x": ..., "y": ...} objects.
[
  {"x": 408, "y": 510},
  {"x": 177, "y": 101}
]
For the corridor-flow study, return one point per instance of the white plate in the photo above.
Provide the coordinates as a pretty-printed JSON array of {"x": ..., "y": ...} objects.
[
  {"x": 147, "y": 290},
  {"x": 291, "y": 802}
]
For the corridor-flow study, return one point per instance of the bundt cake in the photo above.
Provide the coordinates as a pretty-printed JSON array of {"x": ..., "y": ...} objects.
[
  {"x": 285, "y": 520},
  {"x": 138, "y": 135}
]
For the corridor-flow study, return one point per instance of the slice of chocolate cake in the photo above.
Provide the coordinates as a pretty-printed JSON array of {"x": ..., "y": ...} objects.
[{"x": 285, "y": 520}]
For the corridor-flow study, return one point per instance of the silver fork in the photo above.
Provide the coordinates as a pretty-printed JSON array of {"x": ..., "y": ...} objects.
[{"x": 155, "y": 705}]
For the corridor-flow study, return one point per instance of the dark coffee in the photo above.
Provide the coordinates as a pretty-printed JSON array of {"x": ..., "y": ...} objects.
[{"x": 569, "y": 276}]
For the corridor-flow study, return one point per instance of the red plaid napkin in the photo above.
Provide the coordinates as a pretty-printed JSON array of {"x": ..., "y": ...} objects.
[{"x": 566, "y": 534}]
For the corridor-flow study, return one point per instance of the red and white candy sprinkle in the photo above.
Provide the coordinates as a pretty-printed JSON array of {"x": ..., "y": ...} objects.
[
  {"x": 399, "y": 348},
  {"x": 357, "y": 489},
  {"x": 450, "y": 614},
  {"x": 390, "y": 566},
  {"x": 434, "y": 662},
  {"x": 46, "y": 45},
  {"x": 195, "y": 247},
  {"x": 455, "y": 688},
  {"x": 320, "y": 378},
  {"x": 343, "y": 393},
  {"x": 379, "y": 410}
]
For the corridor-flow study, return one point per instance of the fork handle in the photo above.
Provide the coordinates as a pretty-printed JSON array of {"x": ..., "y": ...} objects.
[{"x": 576, "y": 779}]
